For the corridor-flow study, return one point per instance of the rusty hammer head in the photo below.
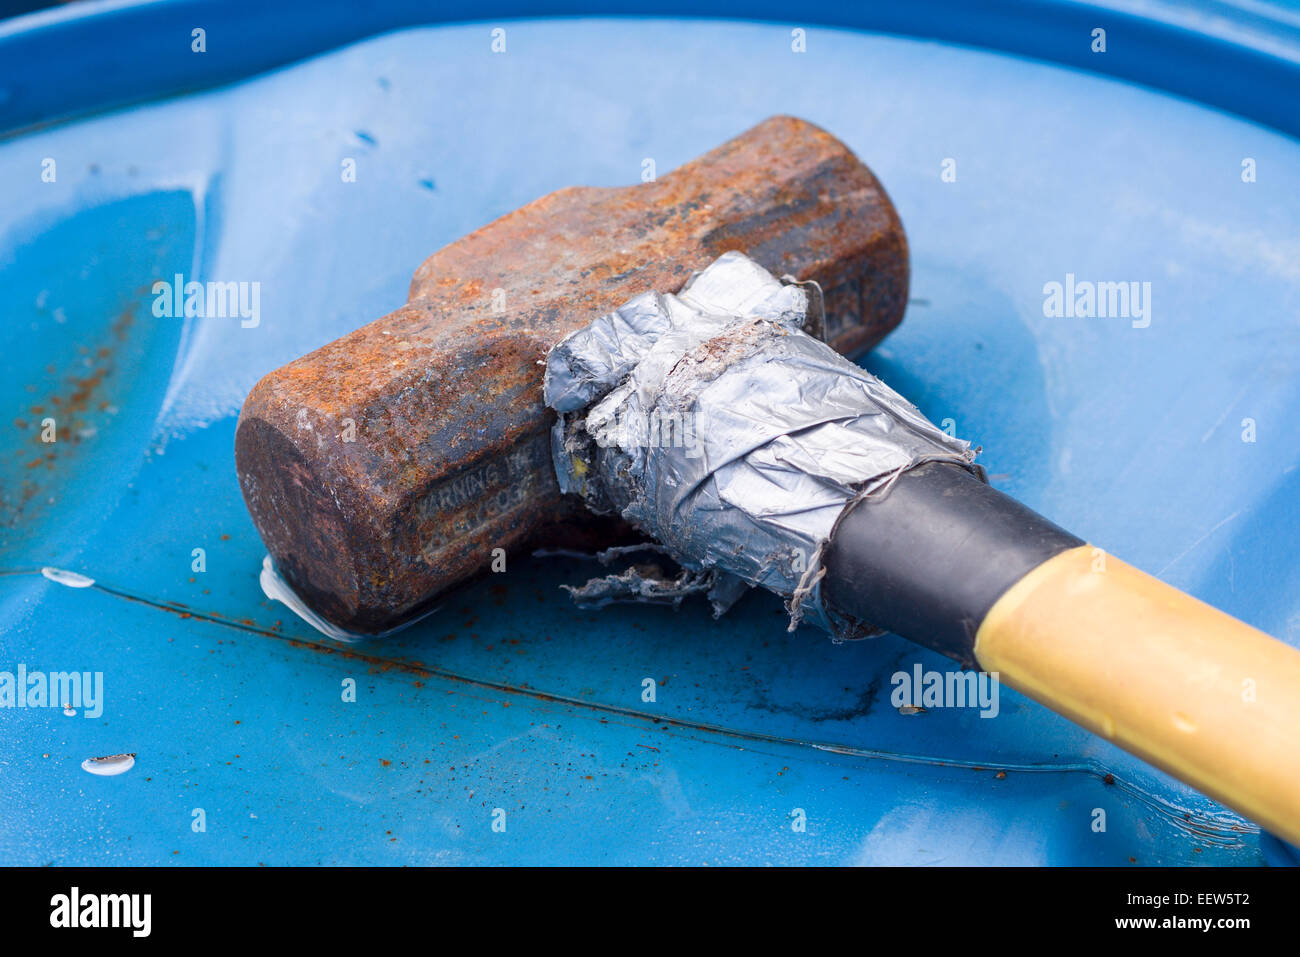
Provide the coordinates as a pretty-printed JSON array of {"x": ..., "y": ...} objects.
[{"x": 391, "y": 464}]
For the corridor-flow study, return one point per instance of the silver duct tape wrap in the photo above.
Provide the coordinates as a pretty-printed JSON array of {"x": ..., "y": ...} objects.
[{"x": 714, "y": 423}]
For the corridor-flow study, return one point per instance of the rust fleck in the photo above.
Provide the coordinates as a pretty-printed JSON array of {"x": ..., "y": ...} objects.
[{"x": 70, "y": 411}]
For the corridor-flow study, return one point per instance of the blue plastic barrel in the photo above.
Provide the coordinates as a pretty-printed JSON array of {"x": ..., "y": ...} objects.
[{"x": 210, "y": 139}]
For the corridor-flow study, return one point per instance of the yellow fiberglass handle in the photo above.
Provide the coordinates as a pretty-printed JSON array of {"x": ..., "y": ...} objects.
[{"x": 1209, "y": 699}]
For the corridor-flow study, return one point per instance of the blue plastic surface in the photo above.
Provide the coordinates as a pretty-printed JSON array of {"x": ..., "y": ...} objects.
[{"x": 509, "y": 698}]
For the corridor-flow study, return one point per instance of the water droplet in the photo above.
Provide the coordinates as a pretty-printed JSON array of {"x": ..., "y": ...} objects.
[
  {"x": 69, "y": 710},
  {"x": 64, "y": 577},
  {"x": 109, "y": 765}
]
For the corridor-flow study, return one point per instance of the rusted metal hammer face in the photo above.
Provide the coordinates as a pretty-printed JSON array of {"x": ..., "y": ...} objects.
[{"x": 394, "y": 462}]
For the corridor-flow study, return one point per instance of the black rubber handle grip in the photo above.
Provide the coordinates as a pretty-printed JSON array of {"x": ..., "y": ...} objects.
[{"x": 928, "y": 558}]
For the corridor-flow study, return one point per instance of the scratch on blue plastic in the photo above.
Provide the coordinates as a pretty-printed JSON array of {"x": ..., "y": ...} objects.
[{"x": 1131, "y": 437}]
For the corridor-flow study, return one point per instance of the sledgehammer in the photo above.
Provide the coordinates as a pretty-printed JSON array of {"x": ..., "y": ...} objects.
[{"x": 388, "y": 465}]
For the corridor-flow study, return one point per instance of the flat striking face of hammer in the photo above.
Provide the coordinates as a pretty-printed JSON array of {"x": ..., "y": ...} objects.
[{"x": 389, "y": 465}]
